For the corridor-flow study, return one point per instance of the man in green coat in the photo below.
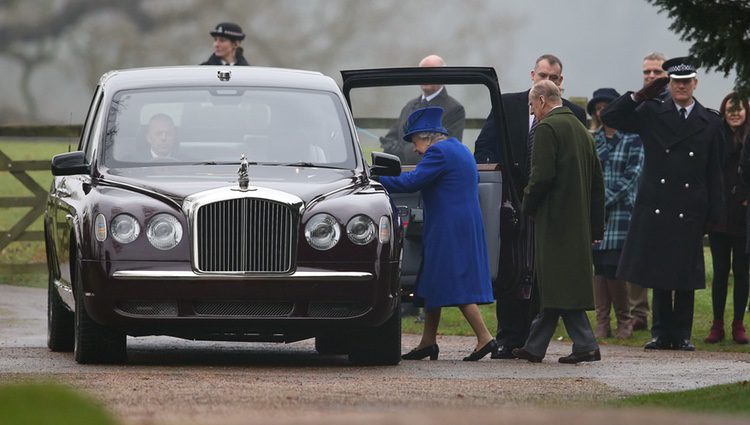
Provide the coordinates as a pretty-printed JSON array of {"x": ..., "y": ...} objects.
[{"x": 565, "y": 197}]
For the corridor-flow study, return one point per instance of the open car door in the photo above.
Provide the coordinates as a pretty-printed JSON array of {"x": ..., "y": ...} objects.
[{"x": 381, "y": 98}]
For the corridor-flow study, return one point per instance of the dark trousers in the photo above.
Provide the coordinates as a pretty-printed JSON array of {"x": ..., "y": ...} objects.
[
  {"x": 728, "y": 251},
  {"x": 514, "y": 316},
  {"x": 673, "y": 314},
  {"x": 576, "y": 324}
]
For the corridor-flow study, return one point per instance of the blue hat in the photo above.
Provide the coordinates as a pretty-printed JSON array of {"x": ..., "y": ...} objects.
[
  {"x": 601, "y": 95},
  {"x": 428, "y": 119}
]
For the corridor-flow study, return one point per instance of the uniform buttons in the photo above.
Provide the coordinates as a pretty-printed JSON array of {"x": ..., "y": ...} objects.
[
  {"x": 691, "y": 154},
  {"x": 687, "y": 185},
  {"x": 667, "y": 151},
  {"x": 663, "y": 181},
  {"x": 657, "y": 211},
  {"x": 681, "y": 215}
]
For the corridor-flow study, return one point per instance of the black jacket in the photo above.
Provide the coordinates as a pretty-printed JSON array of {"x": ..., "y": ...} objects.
[
  {"x": 516, "y": 108},
  {"x": 239, "y": 56},
  {"x": 679, "y": 195},
  {"x": 454, "y": 119}
]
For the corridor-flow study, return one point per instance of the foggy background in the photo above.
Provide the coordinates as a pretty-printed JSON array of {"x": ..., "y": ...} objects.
[{"x": 52, "y": 52}]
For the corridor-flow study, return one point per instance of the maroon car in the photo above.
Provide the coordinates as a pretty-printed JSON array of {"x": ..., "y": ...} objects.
[{"x": 220, "y": 203}]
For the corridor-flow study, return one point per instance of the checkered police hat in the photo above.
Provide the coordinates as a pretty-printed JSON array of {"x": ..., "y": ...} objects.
[{"x": 679, "y": 68}]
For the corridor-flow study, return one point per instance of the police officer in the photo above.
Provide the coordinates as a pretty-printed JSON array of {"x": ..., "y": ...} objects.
[
  {"x": 679, "y": 195},
  {"x": 227, "y": 51}
]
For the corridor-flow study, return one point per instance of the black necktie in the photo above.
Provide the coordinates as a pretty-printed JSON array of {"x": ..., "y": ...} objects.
[
  {"x": 530, "y": 144},
  {"x": 683, "y": 113}
]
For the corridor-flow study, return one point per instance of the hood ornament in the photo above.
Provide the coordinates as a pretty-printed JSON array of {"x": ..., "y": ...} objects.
[{"x": 242, "y": 176}]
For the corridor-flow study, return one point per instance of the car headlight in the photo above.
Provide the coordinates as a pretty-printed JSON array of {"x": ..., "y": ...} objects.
[
  {"x": 361, "y": 230},
  {"x": 164, "y": 231},
  {"x": 125, "y": 228},
  {"x": 322, "y": 231}
]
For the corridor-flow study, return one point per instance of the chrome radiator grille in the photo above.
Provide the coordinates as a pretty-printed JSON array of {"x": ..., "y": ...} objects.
[{"x": 245, "y": 235}]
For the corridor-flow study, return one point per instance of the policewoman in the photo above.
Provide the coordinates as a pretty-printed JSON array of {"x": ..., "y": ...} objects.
[
  {"x": 454, "y": 269},
  {"x": 227, "y": 51},
  {"x": 680, "y": 194}
]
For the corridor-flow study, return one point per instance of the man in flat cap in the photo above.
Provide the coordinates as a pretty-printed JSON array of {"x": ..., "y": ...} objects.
[
  {"x": 680, "y": 193},
  {"x": 227, "y": 51}
]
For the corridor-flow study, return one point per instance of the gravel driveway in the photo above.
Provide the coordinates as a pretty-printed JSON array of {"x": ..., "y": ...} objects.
[{"x": 169, "y": 380}]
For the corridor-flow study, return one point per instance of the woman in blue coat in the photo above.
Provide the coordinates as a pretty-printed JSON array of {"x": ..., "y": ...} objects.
[{"x": 455, "y": 269}]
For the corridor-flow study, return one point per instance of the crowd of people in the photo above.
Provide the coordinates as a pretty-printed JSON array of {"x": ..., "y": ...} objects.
[{"x": 614, "y": 208}]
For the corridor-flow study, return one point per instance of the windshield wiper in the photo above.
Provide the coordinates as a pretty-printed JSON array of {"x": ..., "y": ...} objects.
[
  {"x": 220, "y": 163},
  {"x": 305, "y": 164}
]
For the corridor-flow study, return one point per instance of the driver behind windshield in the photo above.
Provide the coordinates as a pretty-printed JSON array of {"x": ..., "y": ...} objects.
[{"x": 161, "y": 138}]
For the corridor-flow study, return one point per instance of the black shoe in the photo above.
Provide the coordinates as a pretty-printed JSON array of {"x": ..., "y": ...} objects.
[
  {"x": 521, "y": 353},
  {"x": 503, "y": 352},
  {"x": 586, "y": 356},
  {"x": 488, "y": 348},
  {"x": 683, "y": 345},
  {"x": 658, "y": 344},
  {"x": 430, "y": 351}
]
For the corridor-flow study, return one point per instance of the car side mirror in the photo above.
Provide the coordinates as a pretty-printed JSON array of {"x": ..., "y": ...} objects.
[
  {"x": 67, "y": 164},
  {"x": 385, "y": 164}
]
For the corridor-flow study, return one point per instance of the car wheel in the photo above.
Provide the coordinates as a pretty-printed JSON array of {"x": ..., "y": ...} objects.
[
  {"x": 59, "y": 317},
  {"x": 94, "y": 343},
  {"x": 59, "y": 320},
  {"x": 379, "y": 346},
  {"x": 332, "y": 345}
]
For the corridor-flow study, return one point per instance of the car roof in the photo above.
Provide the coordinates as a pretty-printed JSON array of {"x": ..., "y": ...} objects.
[{"x": 183, "y": 76}]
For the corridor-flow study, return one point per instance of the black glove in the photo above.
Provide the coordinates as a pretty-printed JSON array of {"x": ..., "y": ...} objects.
[{"x": 651, "y": 90}]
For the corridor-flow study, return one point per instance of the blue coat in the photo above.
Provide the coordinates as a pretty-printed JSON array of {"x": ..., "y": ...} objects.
[{"x": 455, "y": 269}]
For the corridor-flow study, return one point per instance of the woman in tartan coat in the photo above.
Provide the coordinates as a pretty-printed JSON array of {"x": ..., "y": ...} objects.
[{"x": 621, "y": 156}]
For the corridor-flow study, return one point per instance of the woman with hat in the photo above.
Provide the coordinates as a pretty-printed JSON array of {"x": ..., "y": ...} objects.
[
  {"x": 454, "y": 270},
  {"x": 227, "y": 51},
  {"x": 621, "y": 156}
]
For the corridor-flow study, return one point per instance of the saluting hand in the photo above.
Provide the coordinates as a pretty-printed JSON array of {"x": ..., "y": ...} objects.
[{"x": 651, "y": 90}]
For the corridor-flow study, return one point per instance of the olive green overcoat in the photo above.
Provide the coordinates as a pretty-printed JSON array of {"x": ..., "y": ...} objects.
[{"x": 565, "y": 198}]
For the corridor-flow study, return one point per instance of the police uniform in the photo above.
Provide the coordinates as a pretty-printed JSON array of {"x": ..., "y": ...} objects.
[
  {"x": 680, "y": 193},
  {"x": 233, "y": 32}
]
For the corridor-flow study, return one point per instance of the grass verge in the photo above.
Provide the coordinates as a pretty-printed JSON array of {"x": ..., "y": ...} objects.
[
  {"x": 718, "y": 399},
  {"x": 40, "y": 403}
]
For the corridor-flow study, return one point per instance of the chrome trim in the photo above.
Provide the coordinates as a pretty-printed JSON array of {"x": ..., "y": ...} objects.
[
  {"x": 193, "y": 203},
  {"x": 189, "y": 275}
]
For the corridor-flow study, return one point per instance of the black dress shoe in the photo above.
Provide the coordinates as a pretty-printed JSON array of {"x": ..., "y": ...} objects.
[
  {"x": 521, "y": 353},
  {"x": 584, "y": 356},
  {"x": 683, "y": 345},
  {"x": 430, "y": 351},
  {"x": 503, "y": 352},
  {"x": 658, "y": 344},
  {"x": 488, "y": 348}
]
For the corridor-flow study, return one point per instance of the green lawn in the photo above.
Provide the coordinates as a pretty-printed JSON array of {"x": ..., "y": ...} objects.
[{"x": 719, "y": 399}]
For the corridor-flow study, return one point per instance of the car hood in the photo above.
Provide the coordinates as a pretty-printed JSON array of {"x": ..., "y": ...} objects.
[{"x": 178, "y": 182}]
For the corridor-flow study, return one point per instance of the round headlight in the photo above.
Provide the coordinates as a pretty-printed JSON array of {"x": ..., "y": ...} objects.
[
  {"x": 164, "y": 231},
  {"x": 125, "y": 228},
  {"x": 322, "y": 232},
  {"x": 361, "y": 230}
]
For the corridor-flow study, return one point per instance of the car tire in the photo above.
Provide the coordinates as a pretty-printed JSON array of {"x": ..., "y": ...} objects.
[
  {"x": 332, "y": 344},
  {"x": 60, "y": 324},
  {"x": 380, "y": 346},
  {"x": 59, "y": 318},
  {"x": 94, "y": 343}
]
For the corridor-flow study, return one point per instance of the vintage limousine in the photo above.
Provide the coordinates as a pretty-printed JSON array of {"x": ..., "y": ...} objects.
[{"x": 218, "y": 203}]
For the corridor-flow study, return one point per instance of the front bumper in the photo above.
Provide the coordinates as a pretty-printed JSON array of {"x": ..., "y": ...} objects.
[{"x": 168, "y": 298}]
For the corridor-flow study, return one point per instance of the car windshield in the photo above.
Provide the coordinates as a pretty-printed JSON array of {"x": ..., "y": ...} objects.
[{"x": 211, "y": 125}]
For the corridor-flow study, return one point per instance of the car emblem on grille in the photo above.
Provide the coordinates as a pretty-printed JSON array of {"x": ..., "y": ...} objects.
[
  {"x": 224, "y": 75},
  {"x": 242, "y": 177}
]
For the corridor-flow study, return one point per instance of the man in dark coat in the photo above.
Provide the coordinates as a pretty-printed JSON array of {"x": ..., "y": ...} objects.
[
  {"x": 227, "y": 51},
  {"x": 454, "y": 117},
  {"x": 565, "y": 197},
  {"x": 680, "y": 193},
  {"x": 515, "y": 308}
]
